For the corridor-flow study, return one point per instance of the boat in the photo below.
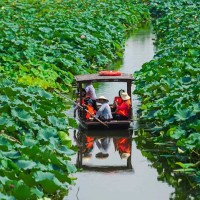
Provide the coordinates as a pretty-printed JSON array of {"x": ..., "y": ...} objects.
[{"x": 103, "y": 77}]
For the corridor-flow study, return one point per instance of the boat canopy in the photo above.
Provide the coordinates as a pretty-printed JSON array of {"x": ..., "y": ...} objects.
[{"x": 97, "y": 78}]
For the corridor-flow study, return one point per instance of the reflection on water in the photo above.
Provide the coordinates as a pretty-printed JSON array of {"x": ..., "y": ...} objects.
[
  {"x": 164, "y": 161},
  {"x": 97, "y": 146}
]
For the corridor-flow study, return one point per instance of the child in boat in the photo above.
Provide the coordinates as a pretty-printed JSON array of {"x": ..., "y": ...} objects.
[
  {"x": 104, "y": 112},
  {"x": 123, "y": 111},
  {"x": 90, "y": 111}
]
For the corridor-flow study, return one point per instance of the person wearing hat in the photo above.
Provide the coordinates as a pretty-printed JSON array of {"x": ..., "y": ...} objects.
[
  {"x": 123, "y": 111},
  {"x": 104, "y": 112},
  {"x": 117, "y": 100}
]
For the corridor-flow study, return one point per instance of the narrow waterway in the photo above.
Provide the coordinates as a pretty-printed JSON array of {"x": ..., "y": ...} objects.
[{"x": 109, "y": 179}]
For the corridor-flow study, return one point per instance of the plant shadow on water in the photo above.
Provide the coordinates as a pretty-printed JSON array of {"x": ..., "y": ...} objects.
[{"x": 164, "y": 160}]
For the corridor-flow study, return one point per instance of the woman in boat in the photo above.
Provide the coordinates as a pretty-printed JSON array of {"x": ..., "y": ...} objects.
[
  {"x": 104, "y": 112},
  {"x": 123, "y": 111},
  {"x": 90, "y": 92},
  {"x": 117, "y": 100}
]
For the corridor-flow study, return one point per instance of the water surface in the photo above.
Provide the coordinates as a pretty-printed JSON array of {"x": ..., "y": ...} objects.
[{"x": 109, "y": 179}]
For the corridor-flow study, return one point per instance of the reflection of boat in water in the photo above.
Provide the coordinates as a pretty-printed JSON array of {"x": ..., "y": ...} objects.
[
  {"x": 96, "y": 144},
  {"x": 96, "y": 124}
]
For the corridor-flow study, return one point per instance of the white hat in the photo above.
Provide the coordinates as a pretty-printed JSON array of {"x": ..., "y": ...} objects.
[
  {"x": 102, "y": 98},
  {"x": 125, "y": 96}
]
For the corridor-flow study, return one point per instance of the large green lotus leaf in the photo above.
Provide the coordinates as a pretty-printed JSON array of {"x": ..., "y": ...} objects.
[
  {"x": 29, "y": 142},
  {"x": 25, "y": 164},
  {"x": 58, "y": 122},
  {"x": 48, "y": 181},
  {"x": 3, "y": 180},
  {"x": 71, "y": 168},
  {"x": 6, "y": 197},
  {"x": 27, "y": 178},
  {"x": 37, "y": 192},
  {"x": 11, "y": 154},
  {"x": 34, "y": 126},
  {"x": 45, "y": 94},
  {"x": 176, "y": 133},
  {"x": 72, "y": 122},
  {"x": 22, "y": 115},
  {"x": 4, "y": 98},
  {"x": 3, "y": 121},
  {"x": 11, "y": 165},
  {"x": 196, "y": 107},
  {"x": 22, "y": 192},
  {"x": 65, "y": 139},
  {"x": 47, "y": 133},
  {"x": 194, "y": 138},
  {"x": 183, "y": 114},
  {"x": 66, "y": 150},
  {"x": 196, "y": 126}
]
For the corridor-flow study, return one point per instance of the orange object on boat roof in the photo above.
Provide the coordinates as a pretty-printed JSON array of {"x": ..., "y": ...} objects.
[{"x": 110, "y": 73}]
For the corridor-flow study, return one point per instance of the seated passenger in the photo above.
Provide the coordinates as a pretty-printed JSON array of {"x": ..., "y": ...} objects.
[
  {"x": 123, "y": 111},
  {"x": 90, "y": 111},
  {"x": 117, "y": 100},
  {"x": 104, "y": 112}
]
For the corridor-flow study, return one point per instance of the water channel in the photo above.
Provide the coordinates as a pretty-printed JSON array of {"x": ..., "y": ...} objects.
[{"x": 109, "y": 178}]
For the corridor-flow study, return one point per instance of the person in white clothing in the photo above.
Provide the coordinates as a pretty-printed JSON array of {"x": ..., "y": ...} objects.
[
  {"x": 90, "y": 92},
  {"x": 104, "y": 112}
]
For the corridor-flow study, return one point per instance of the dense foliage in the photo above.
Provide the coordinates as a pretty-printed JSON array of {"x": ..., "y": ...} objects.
[
  {"x": 164, "y": 160},
  {"x": 45, "y": 43},
  {"x": 34, "y": 147},
  {"x": 169, "y": 85}
]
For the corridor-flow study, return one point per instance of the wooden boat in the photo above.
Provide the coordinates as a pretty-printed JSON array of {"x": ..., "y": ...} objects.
[{"x": 110, "y": 77}]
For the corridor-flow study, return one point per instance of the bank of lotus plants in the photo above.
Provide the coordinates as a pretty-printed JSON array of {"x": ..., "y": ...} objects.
[
  {"x": 45, "y": 43},
  {"x": 35, "y": 148},
  {"x": 169, "y": 85}
]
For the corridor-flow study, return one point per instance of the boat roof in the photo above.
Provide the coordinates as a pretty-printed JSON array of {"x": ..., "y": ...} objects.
[{"x": 97, "y": 78}]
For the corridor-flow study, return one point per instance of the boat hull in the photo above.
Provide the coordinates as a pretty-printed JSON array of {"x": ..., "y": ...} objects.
[{"x": 114, "y": 124}]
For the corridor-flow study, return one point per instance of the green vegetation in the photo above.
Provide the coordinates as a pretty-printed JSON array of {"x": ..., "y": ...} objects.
[
  {"x": 43, "y": 44},
  {"x": 34, "y": 147},
  {"x": 169, "y": 85}
]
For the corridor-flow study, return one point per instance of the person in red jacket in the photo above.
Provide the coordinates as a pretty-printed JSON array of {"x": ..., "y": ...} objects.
[
  {"x": 117, "y": 100},
  {"x": 122, "y": 111}
]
